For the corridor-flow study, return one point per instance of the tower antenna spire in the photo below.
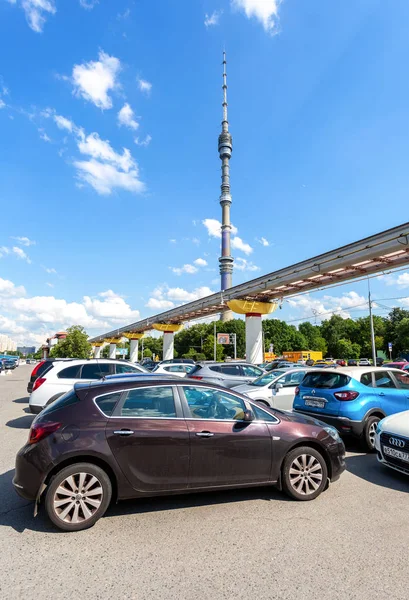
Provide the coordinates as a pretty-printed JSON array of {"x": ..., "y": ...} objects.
[{"x": 225, "y": 149}]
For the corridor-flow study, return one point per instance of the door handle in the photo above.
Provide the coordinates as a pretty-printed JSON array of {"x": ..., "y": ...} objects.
[
  {"x": 205, "y": 434},
  {"x": 124, "y": 432},
  {"x": 381, "y": 393}
]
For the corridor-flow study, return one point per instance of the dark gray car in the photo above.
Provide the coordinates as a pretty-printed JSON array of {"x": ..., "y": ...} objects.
[{"x": 227, "y": 374}]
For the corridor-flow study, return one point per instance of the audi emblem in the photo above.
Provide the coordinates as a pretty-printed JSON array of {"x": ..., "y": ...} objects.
[{"x": 396, "y": 442}]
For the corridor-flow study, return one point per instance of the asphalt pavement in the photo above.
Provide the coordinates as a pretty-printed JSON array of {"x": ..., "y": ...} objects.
[{"x": 351, "y": 542}]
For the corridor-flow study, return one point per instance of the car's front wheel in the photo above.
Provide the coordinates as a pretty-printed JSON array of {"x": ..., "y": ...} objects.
[
  {"x": 370, "y": 433},
  {"x": 304, "y": 473},
  {"x": 78, "y": 496}
]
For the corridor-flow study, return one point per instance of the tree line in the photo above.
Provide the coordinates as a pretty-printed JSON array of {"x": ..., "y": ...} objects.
[{"x": 336, "y": 337}]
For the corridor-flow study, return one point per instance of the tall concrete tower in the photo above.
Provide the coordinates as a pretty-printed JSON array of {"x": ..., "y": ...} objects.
[{"x": 225, "y": 150}]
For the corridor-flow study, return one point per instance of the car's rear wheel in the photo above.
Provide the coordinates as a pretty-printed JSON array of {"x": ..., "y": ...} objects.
[
  {"x": 78, "y": 496},
  {"x": 263, "y": 402},
  {"x": 370, "y": 432},
  {"x": 304, "y": 473}
]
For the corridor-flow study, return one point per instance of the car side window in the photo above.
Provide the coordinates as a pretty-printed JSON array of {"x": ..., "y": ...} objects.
[
  {"x": 69, "y": 372},
  {"x": 188, "y": 368},
  {"x": 384, "y": 380},
  {"x": 366, "y": 379},
  {"x": 402, "y": 379},
  {"x": 262, "y": 415},
  {"x": 126, "y": 369},
  {"x": 174, "y": 369},
  {"x": 208, "y": 403},
  {"x": 216, "y": 368},
  {"x": 149, "y": 403},
  {"x": 107, "y": 402},
  {"x": 293, "y": 379},
  {"x": 95, "y": 370},
  {"x": 251, "y": 371},
  {"x": 231, "y": 370}
]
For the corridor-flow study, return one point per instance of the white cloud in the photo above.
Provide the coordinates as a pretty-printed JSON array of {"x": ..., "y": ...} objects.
[
  {"x": 106, "y": 170},
  {"x": 402, "y": 281},
  {"x": 214, "y": 228},
  {"x": 172, "y": 241},
  {"x": 51, "y": 285},
  {"x": 265, "y": 11},
  {"x": 244, "y": 265},
  {"x": 36, "y": 12},
  {"x": 19, "y": 252},
  {"x": 7, "y": 288},
  {"x": 144, "y": 85},
  {"x": 105, "y": 178},
  {"x": 94, "y": 80},
  {"x": 126, "y": 117},
  {"x": 212, "y": 19},
  {"x": 51, "y": 271},
  {"x": 2, "y": 104},
  {"x": 4, "y": 250},
  {"x": 88, "y": 4},
  {"x": 156, "y": 304},
  {"x": 238, "y": 244},
  {"x": 323, "y": 308},
  {"x": 180, "y": 295},
  {"x": 24, "y": 241},
  {"x": 263, "y": 241},
  {"x": 43, "y": 135},
  {"x": 190, "y": 269},
  {"x": 200, "y": 262},
  {"x": 113, "y": 307},
  {"x": 145, "y": 142}
]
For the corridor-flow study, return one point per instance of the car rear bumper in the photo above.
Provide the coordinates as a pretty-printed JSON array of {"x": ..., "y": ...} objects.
[
  {"x": 28, "y": 478},
  {"x": 344, "y": 425},
  {"x": 337, "y": 457}
]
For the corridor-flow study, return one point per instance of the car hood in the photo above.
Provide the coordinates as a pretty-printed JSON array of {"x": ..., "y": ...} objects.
[
  {"x": 397, "y": 423},
  {"x": 245, "y": 388}
]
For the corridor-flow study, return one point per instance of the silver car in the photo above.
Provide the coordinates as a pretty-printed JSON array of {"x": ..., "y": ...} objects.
[
  {"x": 276, "y": 388},
  {"x": 227, "y": 374}
]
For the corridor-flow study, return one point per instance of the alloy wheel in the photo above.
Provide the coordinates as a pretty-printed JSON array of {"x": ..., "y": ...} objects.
[
  {"x": 372, "y": 433},
  {"x": 78, "y": 498},
  {"x": 305, "y": 474}
]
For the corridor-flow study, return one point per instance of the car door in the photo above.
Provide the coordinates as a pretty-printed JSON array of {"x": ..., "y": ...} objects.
[
  {"x": 224, "y": 449},
  {"x": 149, "y": 438},
  {"x": 283, "y": 397},
  {"x": 392, "y": 398},
  {"x": 402, "y": 380},
  {"x": 231, "y": 375}
]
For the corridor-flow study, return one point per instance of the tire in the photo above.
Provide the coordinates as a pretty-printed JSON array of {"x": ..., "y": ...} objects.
[
  {"x": 300, "y": 483},
  {"x": 369, "y": 433},
  {"x": 74, "y": 513},
  {"x": 264, "y": 402}
]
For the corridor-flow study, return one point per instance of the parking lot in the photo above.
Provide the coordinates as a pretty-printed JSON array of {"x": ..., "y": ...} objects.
[{"x": 349, "y": 543}]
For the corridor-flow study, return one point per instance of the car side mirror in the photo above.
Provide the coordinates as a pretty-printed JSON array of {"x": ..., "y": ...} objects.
[
  {"x": 248, "y": 416},
  {"x": 278, "y": 386}
]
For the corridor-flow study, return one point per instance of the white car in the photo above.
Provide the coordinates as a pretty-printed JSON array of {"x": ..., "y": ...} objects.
[
  {"x": 276, "y": 388},
  {"x": 392, "y": 441},
  {"x": 60, "y": 377},
  {"x": 178, "y": 369}
]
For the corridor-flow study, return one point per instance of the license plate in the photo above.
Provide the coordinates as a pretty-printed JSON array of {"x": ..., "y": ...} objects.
[
  {"x": 396, "y": 453},
  {"x": 315, "y": 402}
]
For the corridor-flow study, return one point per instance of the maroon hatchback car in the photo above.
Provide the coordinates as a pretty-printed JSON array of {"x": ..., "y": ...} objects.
[{"x": 149, "y": 436}]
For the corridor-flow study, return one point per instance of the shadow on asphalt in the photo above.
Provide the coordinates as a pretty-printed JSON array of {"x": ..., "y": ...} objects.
[
  {"x": 21, "y": 422},
  {"x": 20, "y": 517},
  {"x": 367, "y": 467},
  {"x": 21, "y": 400}
]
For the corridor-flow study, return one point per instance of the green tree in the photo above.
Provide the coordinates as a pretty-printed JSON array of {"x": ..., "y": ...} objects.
[
  {"x": 402, "y": 335},
  {"x": 208, "y": 349},
  {"x": 343, "y": 349},
  {"x": 75, "y": 345},
  {"x": 355, "y": 351}
]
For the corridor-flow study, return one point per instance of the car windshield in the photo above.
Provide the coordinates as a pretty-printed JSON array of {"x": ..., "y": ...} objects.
[{"x": 267, "y": 378}]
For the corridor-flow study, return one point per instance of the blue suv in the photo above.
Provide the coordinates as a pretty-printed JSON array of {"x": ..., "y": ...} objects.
[{"x": 353, "y": 400}]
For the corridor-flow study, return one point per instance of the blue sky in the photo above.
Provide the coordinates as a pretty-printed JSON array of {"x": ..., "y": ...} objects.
[{"x": 110, "y": 113}]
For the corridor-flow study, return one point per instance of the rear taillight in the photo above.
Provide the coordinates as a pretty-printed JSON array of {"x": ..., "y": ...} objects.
[
  {"x": 297, "y": 390},
  {"x": 39, "y": 431},
  {"x": 35, "y": 370},
  {"x": 195, "y": 377},
  {"x": 39, "y": 381},
  {"x": 345, "y": 396}
]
